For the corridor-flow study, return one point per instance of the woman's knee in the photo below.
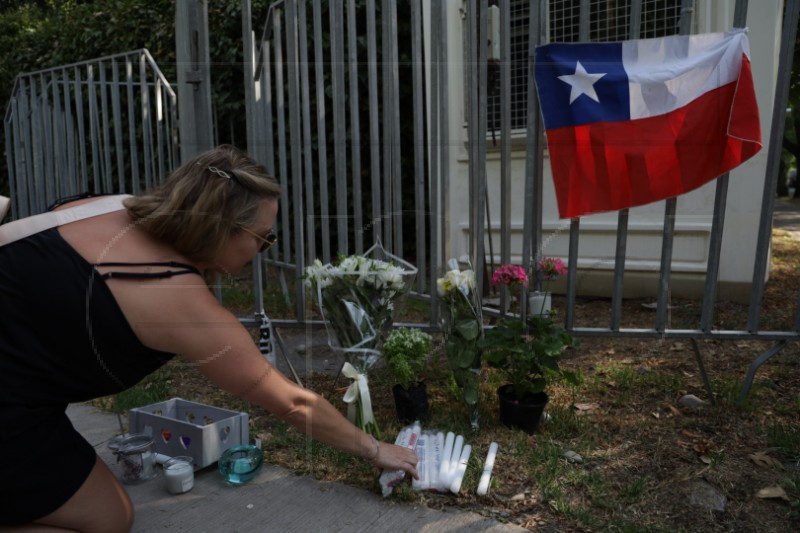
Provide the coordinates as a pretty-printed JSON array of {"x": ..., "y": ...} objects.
[{"x": 126, "y": 515}]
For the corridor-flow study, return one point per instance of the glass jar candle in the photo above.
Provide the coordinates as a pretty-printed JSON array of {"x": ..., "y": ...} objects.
[
  {"x": 114, "y": 442},
  {"x": 179, "y": 474},
  {"x": 136, "y": 455}
]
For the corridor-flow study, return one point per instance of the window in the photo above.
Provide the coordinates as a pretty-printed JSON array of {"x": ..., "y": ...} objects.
[{"x": 609, "y": 21}]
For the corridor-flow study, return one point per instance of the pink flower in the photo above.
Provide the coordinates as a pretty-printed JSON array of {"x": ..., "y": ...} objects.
[
  {"x": 509, "y": 275},
  {"x": 552, "y": 267}
]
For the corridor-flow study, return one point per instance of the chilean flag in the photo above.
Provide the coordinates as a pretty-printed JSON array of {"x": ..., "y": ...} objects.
[{"x": 629, "y": 123}]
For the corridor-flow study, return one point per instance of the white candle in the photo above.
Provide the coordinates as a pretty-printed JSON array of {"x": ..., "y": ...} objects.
[
  {"x": 461, "y": 468},
  {"x": 483, "y": 485},
  {"x": 161, "y": 458},
  {"x": 179, "y": 475},
  {"x": 454, "y": 457},
  {"x": 435, "y": 460},
  {"x": 444, "y": 467}
]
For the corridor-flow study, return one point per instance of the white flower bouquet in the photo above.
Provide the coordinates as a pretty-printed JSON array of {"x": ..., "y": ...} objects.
[
  {"x": 356, "y": 297},
  {"x": 462, "y": 326}
]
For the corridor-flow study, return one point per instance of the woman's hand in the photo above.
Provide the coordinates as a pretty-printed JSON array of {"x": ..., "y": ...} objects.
[{"x": 393, "y": 457}]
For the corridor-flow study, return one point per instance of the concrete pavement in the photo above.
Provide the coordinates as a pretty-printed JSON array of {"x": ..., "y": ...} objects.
[{"x": 276, "y": 500}]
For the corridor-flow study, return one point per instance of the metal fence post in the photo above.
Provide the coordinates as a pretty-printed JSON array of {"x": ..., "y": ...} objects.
[{"x": 194, "y": 77}]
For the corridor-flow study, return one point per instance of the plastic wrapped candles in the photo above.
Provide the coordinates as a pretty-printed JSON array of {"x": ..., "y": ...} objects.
[
  {"x": 443, "y": 460},
  {"x": 407, "y": 437},
  {"x": 422, "y": 450}
]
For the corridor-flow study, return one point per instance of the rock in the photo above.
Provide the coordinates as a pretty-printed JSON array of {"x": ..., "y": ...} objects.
[
  {"x": 707, "y": 496},
  {"x": 572, "y": 457},
  {"x": 690, "y": 400}
]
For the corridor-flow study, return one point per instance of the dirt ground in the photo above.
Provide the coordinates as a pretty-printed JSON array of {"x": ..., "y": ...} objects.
[{"x": 649, "y": 462}]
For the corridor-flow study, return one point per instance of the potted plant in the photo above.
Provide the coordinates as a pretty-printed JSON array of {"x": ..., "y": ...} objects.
[
  {"x": 406, "y": 355},
  {"x": 549, "y": 268},
  {"x": 527, "y": 354}
]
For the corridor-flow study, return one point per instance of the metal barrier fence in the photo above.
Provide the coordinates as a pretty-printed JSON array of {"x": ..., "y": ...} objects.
[
  {"x": 355, "y": 158},
  {"x": 104, "y": 126},
  {"x": 349, "y": 104},
  {"x": 328, "y": 116}
]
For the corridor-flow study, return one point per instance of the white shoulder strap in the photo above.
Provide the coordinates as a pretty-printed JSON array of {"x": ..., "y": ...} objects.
[{"x": 19, "y": 229}]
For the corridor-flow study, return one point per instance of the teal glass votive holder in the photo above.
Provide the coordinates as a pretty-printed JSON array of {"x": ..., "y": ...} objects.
[{"x": 240, "y": 464}]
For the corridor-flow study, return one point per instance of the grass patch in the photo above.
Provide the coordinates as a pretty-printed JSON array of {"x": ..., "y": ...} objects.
[{"x": 786, "y": 439}]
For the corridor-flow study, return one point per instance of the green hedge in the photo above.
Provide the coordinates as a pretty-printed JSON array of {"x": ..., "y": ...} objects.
[{"x": 40, "y": 34}]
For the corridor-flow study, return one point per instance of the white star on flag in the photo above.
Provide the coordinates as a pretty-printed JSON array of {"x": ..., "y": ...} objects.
[{"x": 582, "y": 83}]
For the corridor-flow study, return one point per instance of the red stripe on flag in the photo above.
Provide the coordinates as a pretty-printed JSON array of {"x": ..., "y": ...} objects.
[
  {"x": 745, "y": 107},
  {"x": 611, "y": 166}
]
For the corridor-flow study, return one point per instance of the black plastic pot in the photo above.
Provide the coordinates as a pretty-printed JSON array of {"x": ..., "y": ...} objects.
[
  {"x": 522, "y": 414},
  {"x": 412, "y": 403}
]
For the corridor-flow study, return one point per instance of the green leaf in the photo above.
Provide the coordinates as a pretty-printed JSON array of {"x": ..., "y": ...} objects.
[{"x": 469, "y": 329}]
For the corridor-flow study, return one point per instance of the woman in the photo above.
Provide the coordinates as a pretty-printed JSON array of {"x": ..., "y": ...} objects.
[{"x": 89, "y": 308}]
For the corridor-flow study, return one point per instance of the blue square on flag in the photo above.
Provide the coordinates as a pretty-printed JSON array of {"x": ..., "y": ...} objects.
[{"x": 583, "y": 82}]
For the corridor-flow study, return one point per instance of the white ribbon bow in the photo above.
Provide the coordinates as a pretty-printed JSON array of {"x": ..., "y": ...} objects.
[{"x": 358, "y": 388}]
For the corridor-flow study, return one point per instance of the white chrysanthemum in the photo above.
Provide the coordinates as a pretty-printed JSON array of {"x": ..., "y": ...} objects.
[
  {"x": 349, "y": 264},
  {"x": 394, "y": 277},
  {"x": 359, "y": 271},
  {"x": 318, "y": 274}
]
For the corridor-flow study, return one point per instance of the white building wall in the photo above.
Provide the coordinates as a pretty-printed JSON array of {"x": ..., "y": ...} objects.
[{"x": 598, "y": 232}]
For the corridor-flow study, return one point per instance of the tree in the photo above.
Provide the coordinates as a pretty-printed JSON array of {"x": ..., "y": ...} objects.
[{"x": 40, "y": 34}]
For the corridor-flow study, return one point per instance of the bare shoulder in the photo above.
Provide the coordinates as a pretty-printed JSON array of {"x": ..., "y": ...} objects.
[
  {"x": 175, "y": 313},
  {"x": 178, "y": 314}
]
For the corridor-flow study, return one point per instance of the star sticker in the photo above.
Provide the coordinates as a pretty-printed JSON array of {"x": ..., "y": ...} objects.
[{"x": 582, "y": 83}]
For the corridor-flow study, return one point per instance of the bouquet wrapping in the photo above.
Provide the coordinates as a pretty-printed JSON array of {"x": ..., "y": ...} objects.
[{"x": 356, "y": 297}]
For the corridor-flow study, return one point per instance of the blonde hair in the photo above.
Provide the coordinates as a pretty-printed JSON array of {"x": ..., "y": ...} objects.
[{"x": 204, "y": 202}]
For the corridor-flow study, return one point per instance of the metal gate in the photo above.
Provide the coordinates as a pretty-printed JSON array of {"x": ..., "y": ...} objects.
[
  {"x": 104, "y": 126},
  {"x": 348, "y": 103},
  {"x": 349, "y": 109}
]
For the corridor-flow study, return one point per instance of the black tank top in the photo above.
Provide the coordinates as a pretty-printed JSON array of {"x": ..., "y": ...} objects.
[{"x": 63, "y": 337}]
